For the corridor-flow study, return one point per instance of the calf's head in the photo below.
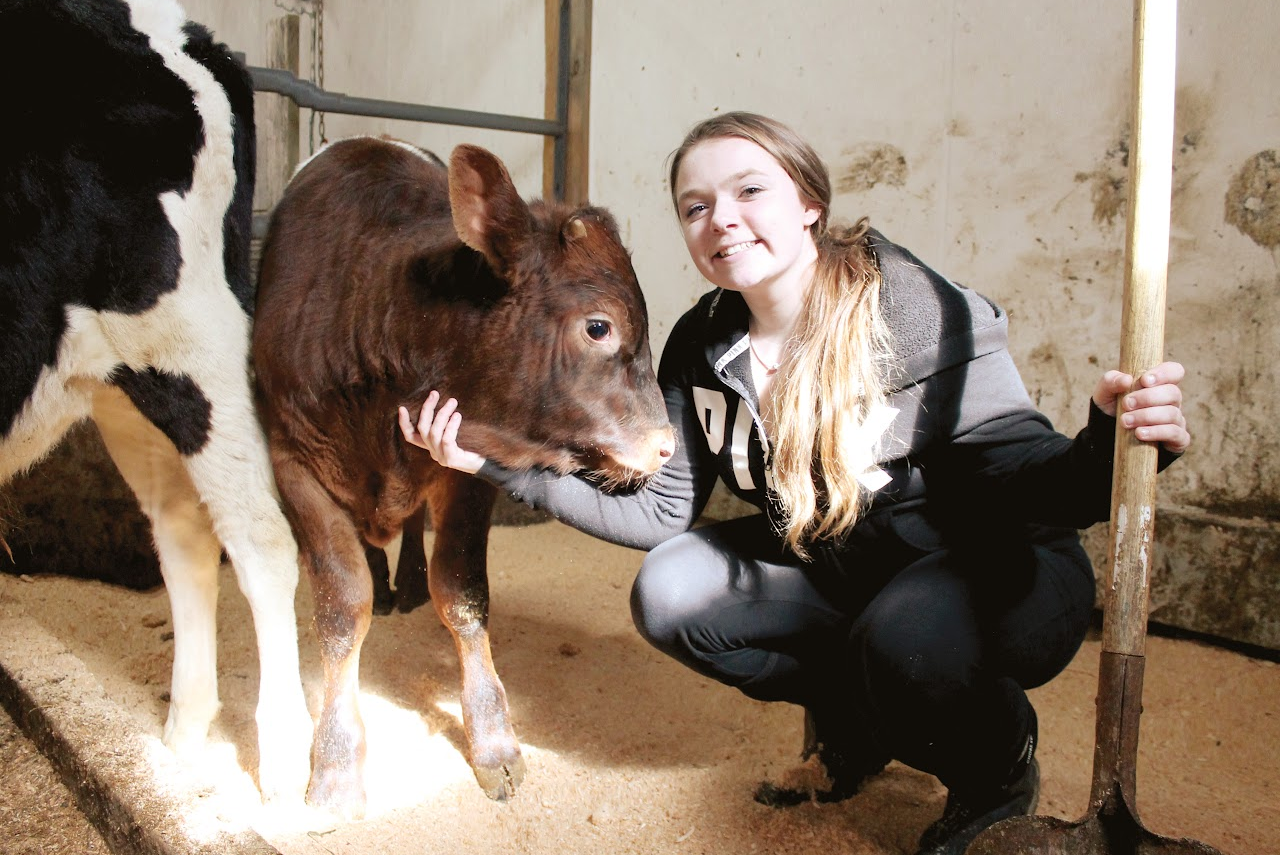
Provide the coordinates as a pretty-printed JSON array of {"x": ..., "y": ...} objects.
[{"x": 560, "y": 373}]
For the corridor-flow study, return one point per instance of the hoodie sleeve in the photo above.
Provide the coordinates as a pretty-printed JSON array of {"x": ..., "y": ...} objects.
[
  {"x": 641, "y": 518},
  {"x": 995, "y": 456}
]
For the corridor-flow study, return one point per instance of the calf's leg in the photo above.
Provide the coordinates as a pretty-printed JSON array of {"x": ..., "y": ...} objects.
[
  {"x": 457, "y": 577},
  {"x": 331, "y": 552}
]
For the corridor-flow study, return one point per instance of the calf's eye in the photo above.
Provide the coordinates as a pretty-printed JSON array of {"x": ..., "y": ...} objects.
[{"x": 598, "y": 330}]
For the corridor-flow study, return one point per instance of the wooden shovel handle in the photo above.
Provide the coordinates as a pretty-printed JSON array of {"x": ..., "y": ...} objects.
[{"x": 1142, "y": 324}]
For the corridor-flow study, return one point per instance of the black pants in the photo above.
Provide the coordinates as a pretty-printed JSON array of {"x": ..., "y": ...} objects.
[{"x": 926, "y": 649}]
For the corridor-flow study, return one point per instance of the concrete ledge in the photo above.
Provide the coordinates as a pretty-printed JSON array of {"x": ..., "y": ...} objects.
[
  {"x": 1216, "y": 576},
  {"x": 133, "y": 791}
]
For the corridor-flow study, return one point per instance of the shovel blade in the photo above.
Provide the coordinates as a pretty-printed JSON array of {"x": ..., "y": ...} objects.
[{"x": 1096, "y": 835}]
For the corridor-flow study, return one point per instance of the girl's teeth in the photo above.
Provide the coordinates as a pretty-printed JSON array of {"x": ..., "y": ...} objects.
[{"x": 736, "y": 248}]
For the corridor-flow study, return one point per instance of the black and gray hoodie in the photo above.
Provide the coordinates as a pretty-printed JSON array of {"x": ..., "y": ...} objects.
[{"x": 961, "y": 439}]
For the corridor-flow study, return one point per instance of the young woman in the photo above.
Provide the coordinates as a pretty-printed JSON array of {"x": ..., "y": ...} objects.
[{"x": 916, "y": 565}]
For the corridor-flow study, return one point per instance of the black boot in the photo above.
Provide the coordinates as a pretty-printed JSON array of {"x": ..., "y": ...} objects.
[
  {"x": 968, "y": 813},
  {"x": 847, "y": 759}
]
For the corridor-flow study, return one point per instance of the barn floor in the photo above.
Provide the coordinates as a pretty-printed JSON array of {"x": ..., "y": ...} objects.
[{"x": 626, "y": 751}]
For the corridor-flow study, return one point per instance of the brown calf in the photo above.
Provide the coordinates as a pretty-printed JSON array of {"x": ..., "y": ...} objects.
[{"x": 385, "y": 276}]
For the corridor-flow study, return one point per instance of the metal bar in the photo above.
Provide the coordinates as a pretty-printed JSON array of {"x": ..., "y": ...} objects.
[
  {"x": 560, "y": 155},
  {"x": 259, "y": 228},
  {"x": 306, "y": 94}
]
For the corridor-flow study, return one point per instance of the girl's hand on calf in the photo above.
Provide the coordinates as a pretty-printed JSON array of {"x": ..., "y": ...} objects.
[{"x": 437, "y": 432}]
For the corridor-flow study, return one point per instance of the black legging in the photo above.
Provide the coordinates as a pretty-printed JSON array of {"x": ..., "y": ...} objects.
[{"x": 928, "y": 649}]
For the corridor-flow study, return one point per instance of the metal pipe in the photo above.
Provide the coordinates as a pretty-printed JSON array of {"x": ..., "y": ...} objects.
[
  {"x": 306, "y": 94},
  {"x": 560, "y": 151}
]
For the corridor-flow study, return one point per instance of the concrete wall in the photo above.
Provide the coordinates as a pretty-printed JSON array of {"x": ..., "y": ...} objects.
[{"x": 989, "y": 136}]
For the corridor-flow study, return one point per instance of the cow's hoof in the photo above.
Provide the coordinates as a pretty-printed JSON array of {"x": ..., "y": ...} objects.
[
  {"x": 337, "y": 796},
  {"x": 284, "y": 766},
  {"x": 500, "y": 782},
  {"x": 282, "y": 779},
  {"x": 186, "y": 730},
  {"x": 187, "y": 744}
]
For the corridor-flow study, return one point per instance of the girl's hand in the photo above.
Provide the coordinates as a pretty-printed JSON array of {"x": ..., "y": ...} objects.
[
  {"x": 438, "y": 434},
  {"x": 1153, "y": 410}
]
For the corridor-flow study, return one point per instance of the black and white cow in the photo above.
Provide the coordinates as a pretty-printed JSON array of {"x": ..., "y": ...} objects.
[{"x": 126, "y": 181}]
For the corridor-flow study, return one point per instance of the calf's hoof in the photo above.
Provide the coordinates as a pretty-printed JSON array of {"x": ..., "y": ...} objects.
[
  {"x": 340, "y": 796},
  {"x": 499, "y": 782}
]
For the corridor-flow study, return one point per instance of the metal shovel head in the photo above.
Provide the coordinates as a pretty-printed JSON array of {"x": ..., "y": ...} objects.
[
  {"x": 1111, "y": 825},
  {"x": 1117, "y": 833}
]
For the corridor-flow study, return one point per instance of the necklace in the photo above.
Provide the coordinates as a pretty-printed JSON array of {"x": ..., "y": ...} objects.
[{"x": 770, "y": 368}]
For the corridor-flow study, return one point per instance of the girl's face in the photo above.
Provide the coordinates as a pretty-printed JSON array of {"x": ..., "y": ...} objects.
[{"x": 744, "y": 222}]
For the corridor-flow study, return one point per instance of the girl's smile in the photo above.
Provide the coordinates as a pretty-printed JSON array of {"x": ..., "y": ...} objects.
[{"x": 730, "y": 251}]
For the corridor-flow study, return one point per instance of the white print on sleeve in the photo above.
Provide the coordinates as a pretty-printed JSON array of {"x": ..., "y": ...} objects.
[
  {"x": 869, "y": 433},
  {"x": 713, "y": 415}
]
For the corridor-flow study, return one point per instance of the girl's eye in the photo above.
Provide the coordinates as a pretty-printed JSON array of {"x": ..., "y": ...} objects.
[
  {"x": 598, "y": 330},
  {"x": 751, "y": 191},
  {"x": 693, "y": 210}
]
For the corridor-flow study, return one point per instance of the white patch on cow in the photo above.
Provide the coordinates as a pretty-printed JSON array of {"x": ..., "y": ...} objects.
[
  {"x": 62, "y": 396},
  {"x": 160, "y": 20}
]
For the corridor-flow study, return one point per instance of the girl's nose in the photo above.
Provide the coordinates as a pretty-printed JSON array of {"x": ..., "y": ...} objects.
[{"x": 725, "y": 216}]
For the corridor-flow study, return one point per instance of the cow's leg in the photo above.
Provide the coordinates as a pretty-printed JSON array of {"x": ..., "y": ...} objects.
[
  {"x": 232, "y": 474},
  {"x": 332, "y": 554},
  {"x": 457, "y": 575},
  {"x": 411, "y": 564},
  {"x": 189, "y": 558}
]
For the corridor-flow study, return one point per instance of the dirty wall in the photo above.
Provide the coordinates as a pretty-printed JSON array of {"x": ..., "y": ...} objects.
[{"x": 989, "y": 137}]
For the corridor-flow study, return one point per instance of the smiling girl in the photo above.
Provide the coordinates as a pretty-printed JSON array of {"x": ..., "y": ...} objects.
[{"x": 915, "y": 566}]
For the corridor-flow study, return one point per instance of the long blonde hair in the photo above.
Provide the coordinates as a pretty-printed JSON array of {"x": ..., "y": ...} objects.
[{"x": 832, "y": 375}]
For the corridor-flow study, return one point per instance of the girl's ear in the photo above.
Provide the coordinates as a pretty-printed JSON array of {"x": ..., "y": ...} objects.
[{"x": 811, "y": 214}]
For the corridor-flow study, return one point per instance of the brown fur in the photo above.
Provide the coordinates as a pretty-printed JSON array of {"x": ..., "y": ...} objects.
[{"x": 385, "y": 277}]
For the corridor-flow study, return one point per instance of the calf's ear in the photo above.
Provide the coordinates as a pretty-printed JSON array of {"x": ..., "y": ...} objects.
[{"x": 488, "y": 214}]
